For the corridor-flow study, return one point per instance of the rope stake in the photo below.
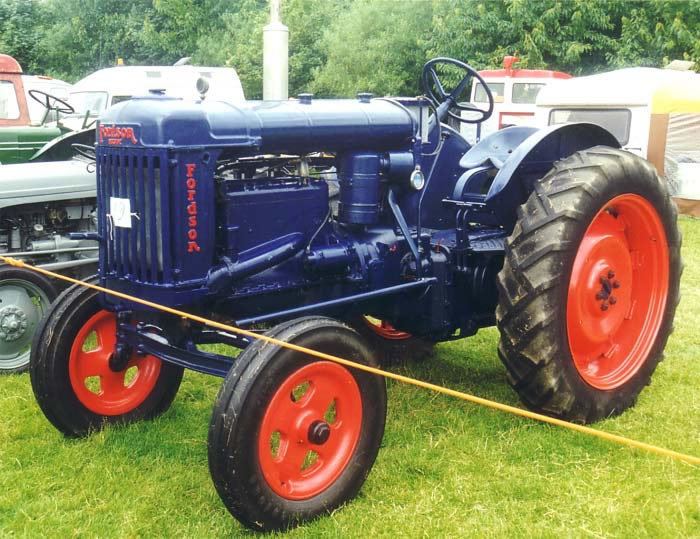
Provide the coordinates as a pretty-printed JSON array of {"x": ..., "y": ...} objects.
[{"x": 622, "y": 440}]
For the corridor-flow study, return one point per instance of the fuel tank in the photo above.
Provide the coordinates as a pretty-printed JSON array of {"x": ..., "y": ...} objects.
[{"x": 253, "y": 128}]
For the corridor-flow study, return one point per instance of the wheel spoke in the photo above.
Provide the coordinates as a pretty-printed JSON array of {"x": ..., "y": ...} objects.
[
  {"x": 438, "y": 84},
  {"x": 112, "y": 384},
  {"x": 286, "y": 415},
  {"x": 93, "y": 363},
  {"x": 321, "y": 398},
  {"x": 106, "y": 331},
  {"x": 332, "y": 446},
  {"x": 292, "y": 461}
]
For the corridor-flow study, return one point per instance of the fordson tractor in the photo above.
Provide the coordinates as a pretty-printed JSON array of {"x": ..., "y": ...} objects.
[{"x": 367, "y": 229}]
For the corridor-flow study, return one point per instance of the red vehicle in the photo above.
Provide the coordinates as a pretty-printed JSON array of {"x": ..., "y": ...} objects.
[
  {"x": 514, "y": 93},
  {"x": 23, "y": 128}
]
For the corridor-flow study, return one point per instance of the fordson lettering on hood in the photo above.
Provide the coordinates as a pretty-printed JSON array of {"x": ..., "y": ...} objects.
[
  {"x": 115, "y": 135},
  {"x": 191, "y": 184}
]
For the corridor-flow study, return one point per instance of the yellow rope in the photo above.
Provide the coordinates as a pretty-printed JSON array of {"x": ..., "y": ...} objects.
[{"x": 405, "y": 379}]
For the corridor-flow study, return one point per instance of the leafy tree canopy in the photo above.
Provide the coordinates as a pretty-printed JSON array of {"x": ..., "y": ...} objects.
[{"x": 340, "y": 47}]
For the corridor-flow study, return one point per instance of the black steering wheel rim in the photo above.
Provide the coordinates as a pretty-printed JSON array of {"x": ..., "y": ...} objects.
[
  {"x": 84, "y": 150},
  {"x": 50, "y": 105},
  {"x": 430, "y": 75}
]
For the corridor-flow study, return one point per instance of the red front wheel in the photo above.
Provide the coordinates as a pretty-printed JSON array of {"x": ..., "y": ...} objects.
[
  {"x": 590, "y": 285},
  {"x": 97, "y": 386},
  {"x": 292, "y": 437},
  {"x": 77, "y": 385}
]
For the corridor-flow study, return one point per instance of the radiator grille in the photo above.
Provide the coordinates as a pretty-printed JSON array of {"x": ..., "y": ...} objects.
[{"x": 141, "y": 253}]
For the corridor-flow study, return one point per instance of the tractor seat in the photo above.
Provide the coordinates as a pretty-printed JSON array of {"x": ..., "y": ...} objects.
[{"x": 495, "y": 148}]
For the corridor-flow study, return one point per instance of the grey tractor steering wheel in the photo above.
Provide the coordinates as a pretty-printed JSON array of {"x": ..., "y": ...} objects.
[
  {"x": 49, "y": 101},
  {"x": 435, "y": 90}
]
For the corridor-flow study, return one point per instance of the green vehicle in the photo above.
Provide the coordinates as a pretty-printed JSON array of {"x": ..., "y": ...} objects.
[{"x": 20, "y": 136}]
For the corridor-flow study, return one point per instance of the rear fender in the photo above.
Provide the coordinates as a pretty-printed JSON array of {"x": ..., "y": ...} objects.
[
  {"x": 532, "y": 159},
  {"x": 60, "y": 148}
]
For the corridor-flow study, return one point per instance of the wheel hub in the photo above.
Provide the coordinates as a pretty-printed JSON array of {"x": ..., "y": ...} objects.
[
  {"x": 13, "y": 323},
  {"x": 608, "y": 284},
  {"x": 319, "y": 431}
]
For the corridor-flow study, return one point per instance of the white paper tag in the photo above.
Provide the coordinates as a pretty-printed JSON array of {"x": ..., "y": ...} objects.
[{"x": 120, "y": 210}]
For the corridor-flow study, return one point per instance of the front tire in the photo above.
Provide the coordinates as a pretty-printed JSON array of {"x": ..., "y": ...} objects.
[
  {"x": 589, "y": 286},
  {"x": 71, "y": 376},
  {"x": 291, "y": 436}
]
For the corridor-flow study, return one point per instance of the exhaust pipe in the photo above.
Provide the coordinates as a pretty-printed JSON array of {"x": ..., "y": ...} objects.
[{"x": 275, "y": 57}]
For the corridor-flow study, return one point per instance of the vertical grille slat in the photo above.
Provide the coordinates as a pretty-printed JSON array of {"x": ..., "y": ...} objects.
[
  {"x": 141, "y": 176},
  {"x": 104, "y": 187},
  {"x": 141, "y": 205},
  {"x": 165, "y": 220},
  {"x": 136, "y": 220},
  {"x": 118, "y": 251},
  {"x": 152, "y": 221}
]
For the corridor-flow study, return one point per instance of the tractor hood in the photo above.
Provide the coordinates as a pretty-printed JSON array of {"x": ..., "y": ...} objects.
[
  {"x": 29, "y": 183},
  {"x": 264, "y": 127}
]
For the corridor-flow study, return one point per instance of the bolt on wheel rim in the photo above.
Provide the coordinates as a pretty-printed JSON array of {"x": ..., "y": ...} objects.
[
  {"x": 22, "y": 305},
  {"x": 100, "y": 389},
  {"x": 617, "y": 292},
  {"x": 310, "y": 430}
]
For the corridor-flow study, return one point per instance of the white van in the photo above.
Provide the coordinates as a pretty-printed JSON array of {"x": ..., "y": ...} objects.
[
  {"x": 654, "y": 113},
  {"x": 514, "y": 92},
  {"x": 106, "y": 87}
]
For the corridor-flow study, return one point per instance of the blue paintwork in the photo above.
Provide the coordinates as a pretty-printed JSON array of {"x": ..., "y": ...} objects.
[
  {"x": 534, "y": 158},
  {"x": 266, "y": 127},
  {"x": 257, "y": 248}
]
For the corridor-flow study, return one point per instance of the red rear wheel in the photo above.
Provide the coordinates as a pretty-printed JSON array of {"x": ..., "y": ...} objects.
[
  {"x": 618, "y": 291},
  {"x": 100, "y": 389},
  {"x": 310, "y": 430},
  {"x": 589, "y": 285}
]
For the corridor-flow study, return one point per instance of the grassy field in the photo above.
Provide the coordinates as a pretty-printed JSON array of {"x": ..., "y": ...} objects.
[{"x": 446, "y": 468}]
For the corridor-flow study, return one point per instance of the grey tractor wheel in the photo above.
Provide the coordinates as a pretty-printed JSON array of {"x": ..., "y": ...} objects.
[
  {"x": 589, "y": 286},
  {"x": 25, "y": 296}
]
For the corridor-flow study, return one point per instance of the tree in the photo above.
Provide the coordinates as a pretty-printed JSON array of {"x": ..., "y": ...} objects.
[
  {"x": 238, "y": 44},
  {"x": 81, "y": 36},
  {"x": 20, "y": 34},
  {"x": 654, "y": 33},
  {"x": 577, "y": 36},
  {"x": 377, "y": 46}
]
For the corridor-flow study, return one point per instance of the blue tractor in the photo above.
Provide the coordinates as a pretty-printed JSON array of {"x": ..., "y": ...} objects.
[{"x": 368, "y": 229}]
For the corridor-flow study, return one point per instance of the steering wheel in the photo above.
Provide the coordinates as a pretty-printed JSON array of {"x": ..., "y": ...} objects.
[
  {"x": 444, "y": 101},
  {"x": 49, "y": 101},
  {"x": 84, "y": 150}
]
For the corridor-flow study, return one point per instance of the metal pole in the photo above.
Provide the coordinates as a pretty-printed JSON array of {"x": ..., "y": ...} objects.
[{"x": 275, "y": 57}]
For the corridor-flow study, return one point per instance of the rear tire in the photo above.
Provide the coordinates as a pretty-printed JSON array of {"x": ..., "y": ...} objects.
[
  {"x": 25, "y": 296},
  {"x": 277, "y": 407},
  {"x": 589, "y": 286},
  {"x": 70, "y": 374}
]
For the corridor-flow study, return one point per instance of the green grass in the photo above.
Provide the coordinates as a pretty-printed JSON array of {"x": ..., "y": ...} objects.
[{"x": 446, "y": 468}]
